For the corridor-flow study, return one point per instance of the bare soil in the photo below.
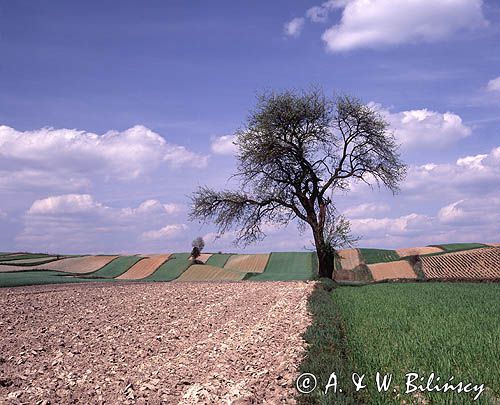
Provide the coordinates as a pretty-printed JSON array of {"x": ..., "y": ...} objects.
[
  {"x": 474, "y": 264},
  {"x": 152, "y": 343},
  {"x": 248, "y": 263},
  {"x": 144, "y": 267},
  {"x": 400, "y": 269},
  {"x": 423, "y": 250},
  {"x": 349, "y": 258}
]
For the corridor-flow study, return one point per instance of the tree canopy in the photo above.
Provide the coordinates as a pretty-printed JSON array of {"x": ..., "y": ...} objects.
[{"x": 295, "y": 151}]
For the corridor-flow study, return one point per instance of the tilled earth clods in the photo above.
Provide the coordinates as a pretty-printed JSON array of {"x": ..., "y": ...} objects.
[{"x": 152, "y": 342}]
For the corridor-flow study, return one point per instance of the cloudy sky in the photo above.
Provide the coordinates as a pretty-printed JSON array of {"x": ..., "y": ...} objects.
[{"x": 112, "y": 113}]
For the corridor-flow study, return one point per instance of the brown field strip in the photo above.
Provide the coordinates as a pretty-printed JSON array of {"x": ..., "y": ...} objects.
[
  {"x": 475, "y": 264},
  {"x": 203, "y": 257},
  {"x": 392, "y": 271},
  {"x": 349, "y": 258},
  {"x": 204, "y": 272},
  {"x": 493, "y": 244},
  {"x": 144, "y": 267},
  {"x": 248, "y": 263},
  {"x": 423, "y": 250},
  {"x": 76, "y": 265}
]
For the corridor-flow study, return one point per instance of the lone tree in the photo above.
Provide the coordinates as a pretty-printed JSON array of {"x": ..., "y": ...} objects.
[
  {"x": 296, "y": 150},
  {"x": 198, "y": 244}
]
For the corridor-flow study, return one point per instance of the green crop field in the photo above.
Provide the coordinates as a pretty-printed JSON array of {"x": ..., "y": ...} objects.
[
  {"x": 32, "y": 262},
  {"x": 287, "y": 266},
  {"x": 171, "y": 269},
  {"x": 371, "y": 256},
  {"x": 218, "y": 259},
  {"x": 455, "y": 247},
  {"x": 21, "y": 278},
  {"x": 447, "y": 328},
  {"x": 115, "y": 268}
]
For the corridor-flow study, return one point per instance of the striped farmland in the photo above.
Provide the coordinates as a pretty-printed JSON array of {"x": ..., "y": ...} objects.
[
  {"x": 284, "y": 266},
  {"x": 202, "y": 257},
  {"x": 423, "y": 250},
  {"x": 396, "y": 270},
  {"x": 171, "y": 269},
  {"x": 144, "y": 267},
  {"x": 218, "y": 259},
  {"x": 476, "y": 264},
  {"x": 248, "y": 263},
  {"x": 205, "y": 272},
  {"x": 115, "y": 268},
  {"x": 32, "y": 261},
  {"x": 349, "y": 259},
  {"x": 75, "y": 265}
]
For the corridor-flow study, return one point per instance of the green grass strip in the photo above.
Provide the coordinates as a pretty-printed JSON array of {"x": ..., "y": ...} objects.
[
  {"x": 25, "y": 278},
  {"x": 171, "y": 269},
  {"x": 371, "y": 256},
  {"x": 218, "y": 259},
  {"x": 455, "y": 247},
  {"x": 326, "y": 349},
  {"x": 285, "y": 266},
  {"x": 115, "y": 268}
]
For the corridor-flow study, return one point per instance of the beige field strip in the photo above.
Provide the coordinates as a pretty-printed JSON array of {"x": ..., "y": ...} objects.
[
  {"x": 494, "y": 244},
  {"x": 349, "y": 258},
  {"x": 400, "y": 269},
  {"x": 475, "y": 264},
  {"x": 76, "y": 265},
  {"x": 204, "y": 272},
  {"x": 248, "y": 263},
  {"x": 423, "y": 250},
  {"x": 144, "y": 267},
  {"x": 7, "y": 269},
  {"x": 203, "y": 257}
]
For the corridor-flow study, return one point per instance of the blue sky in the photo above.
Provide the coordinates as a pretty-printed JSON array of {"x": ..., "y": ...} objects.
[{"x": 112, "y": 113}]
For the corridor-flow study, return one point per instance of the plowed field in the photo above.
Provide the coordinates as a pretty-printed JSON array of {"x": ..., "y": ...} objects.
[
  {"x": 349, "y": 259},
  {"x": 424, "y": 250},
  {"x": 400, "y": 269},
  {"x": 248, "y": 263},
  {"x": 476, "y": 264},
  {"x": 205, "y": 272},
  {"x": 170, "y": 343},
  {"x": 144, "y": 268}
]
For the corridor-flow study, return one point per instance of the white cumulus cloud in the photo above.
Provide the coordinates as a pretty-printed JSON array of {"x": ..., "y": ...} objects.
[
  {"x": 78, "y": 223},
  {"x": 167, "y": 232},
  {"x": 224, "y": 145},
  {"x": 293, "y": 28},
  {"x": 494, "y": 84},
  {"x": 375, "y": 23},
  {"x": 467, "y": 176},
  {"x": 425, "y": 128},
  {"x": 366, "y": 209},
  {"x": 71, "y": 157},
  {"x": 64, "y": 204}
]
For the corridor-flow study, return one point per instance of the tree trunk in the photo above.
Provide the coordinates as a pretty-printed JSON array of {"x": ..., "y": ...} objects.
[
  {"x": 325, "y": 255},
  {"x": 325, "y": 263}
]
